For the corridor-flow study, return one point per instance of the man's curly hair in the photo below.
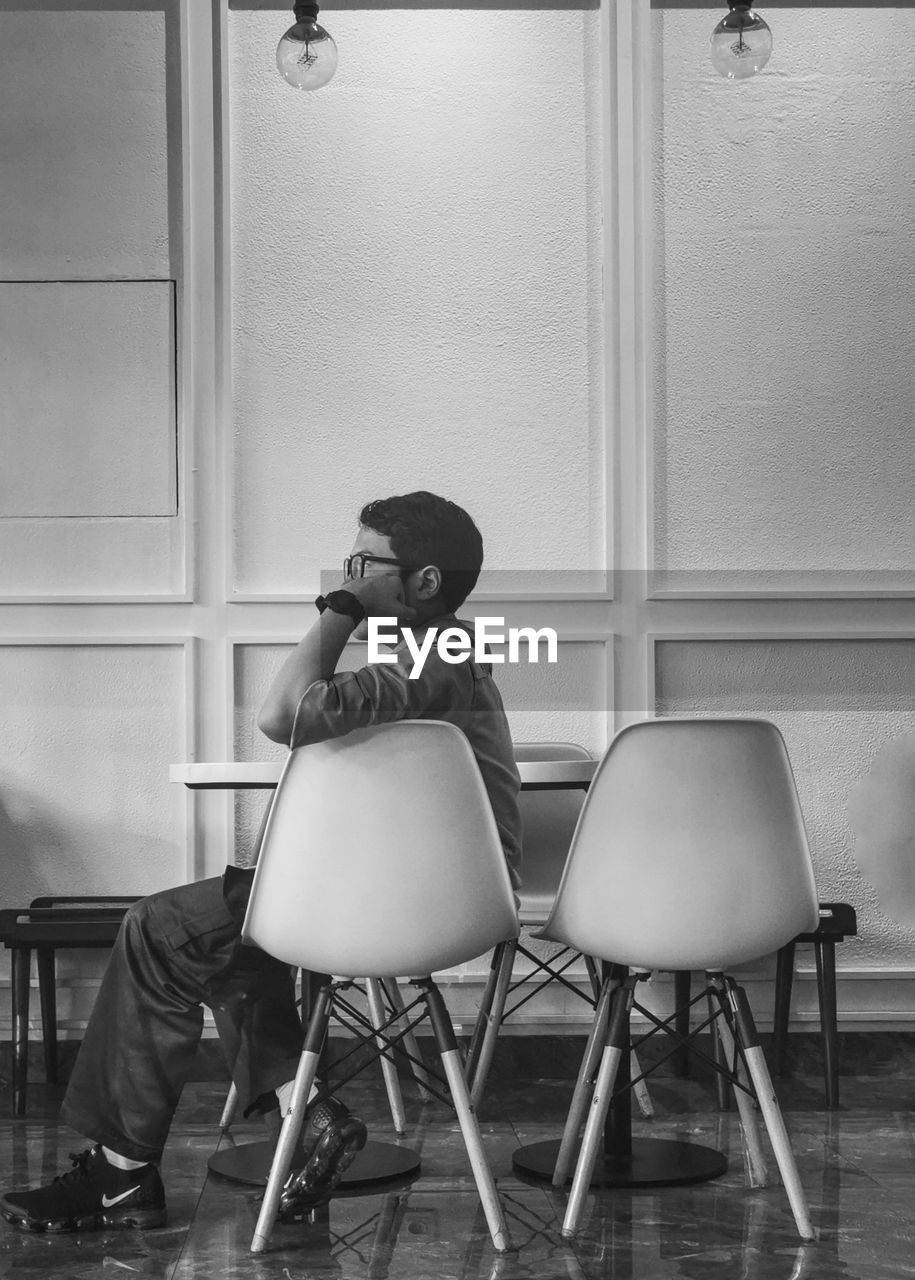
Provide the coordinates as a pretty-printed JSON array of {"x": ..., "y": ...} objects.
[{"x": 426, "y": 529}]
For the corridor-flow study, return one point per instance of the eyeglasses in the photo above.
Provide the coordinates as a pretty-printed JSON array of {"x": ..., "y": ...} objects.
[{"x": 354, "y": 566}]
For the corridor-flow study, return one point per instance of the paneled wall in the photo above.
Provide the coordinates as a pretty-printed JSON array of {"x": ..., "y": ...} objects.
[
  {"x": 416, "y": 288},
  {"x": 652, "y": 329}
]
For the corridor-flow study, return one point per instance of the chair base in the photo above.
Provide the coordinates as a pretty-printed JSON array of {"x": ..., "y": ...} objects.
[
  {"x": 377, "y": 1162},
  {"x": 653, "y": 1162}
]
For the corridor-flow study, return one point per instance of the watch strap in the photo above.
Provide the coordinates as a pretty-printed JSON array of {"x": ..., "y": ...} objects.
[{"x": 342, "y": 602}]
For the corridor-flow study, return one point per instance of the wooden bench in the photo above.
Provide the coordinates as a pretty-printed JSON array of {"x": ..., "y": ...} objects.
[{"x": 45, "y": 926}]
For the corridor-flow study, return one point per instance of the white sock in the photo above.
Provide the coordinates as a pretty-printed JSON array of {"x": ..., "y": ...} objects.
[
  {"x": 284, "y": 1094},
  {"x": 122, "y": 1162}
]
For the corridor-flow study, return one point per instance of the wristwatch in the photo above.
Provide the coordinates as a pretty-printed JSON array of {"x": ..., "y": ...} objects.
[{"x": 341, "y": 602}]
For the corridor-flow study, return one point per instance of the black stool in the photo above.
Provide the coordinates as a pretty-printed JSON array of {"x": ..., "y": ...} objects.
[
  {"x": 44, "y": 926},
  {"x": 838, "y": 921}
]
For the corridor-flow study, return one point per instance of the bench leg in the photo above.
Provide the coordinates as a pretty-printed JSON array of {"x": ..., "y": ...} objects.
[
  {"x": 21, "y": 973},
  {"x": 784, "y": 977},
  {"x": 47, "y": 990},
  {"x": 826, "y": 991}
]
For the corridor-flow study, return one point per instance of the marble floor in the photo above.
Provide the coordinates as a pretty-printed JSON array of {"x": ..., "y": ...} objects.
[{"x": 856, "y": 1165}]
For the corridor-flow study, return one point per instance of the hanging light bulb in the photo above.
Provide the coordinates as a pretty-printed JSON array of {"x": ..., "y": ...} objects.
[
  {"x": 741, "y": 43},
  {"x": 306, "y": 56}
]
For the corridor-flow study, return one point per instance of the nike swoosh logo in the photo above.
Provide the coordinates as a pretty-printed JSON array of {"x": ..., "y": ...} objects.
[{"x": 117, "y": 1199}]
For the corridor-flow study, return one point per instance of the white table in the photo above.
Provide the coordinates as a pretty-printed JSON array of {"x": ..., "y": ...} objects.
[{"x": 251, "y": 775}]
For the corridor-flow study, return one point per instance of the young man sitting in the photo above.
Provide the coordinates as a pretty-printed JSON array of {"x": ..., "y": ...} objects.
[{"x": 416, "y": 558}]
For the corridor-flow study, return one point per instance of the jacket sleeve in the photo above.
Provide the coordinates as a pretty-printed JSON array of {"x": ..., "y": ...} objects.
[{"x": 374, "y": 694}]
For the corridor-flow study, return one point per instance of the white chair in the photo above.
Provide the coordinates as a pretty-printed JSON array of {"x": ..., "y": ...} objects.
[
  {"x": 382, "y": 997},
  {"x": 690, "y": 854},
  {"x": 381, "y": 856},
  {"x": 549, "y": 819}
]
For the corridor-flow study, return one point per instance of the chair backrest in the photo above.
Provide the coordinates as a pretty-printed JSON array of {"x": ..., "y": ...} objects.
[
  {"x": 381, "y": 857},
  {"x": 690, "y": 852},
  {"x": 549, "y": 819}
]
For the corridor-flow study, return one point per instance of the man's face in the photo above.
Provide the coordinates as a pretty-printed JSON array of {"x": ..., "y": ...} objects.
[{"x": 371, "y": 543}]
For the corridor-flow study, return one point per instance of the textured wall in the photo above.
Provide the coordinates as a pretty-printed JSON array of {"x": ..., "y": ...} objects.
[
  {"x": 785, "y": 333},
  {"x": 838, "y": 703},
  {"x": 416, "y": 300},
  {"x": 416, "y": 288}
]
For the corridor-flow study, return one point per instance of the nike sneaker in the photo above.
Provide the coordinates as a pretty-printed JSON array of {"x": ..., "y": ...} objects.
[
  {"x": 92, "y": 1196},
  {"x": 331, "y": 1139}
]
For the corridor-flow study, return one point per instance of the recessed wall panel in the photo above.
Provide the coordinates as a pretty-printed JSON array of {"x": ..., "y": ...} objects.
[
  {"x": 84, "y": 141},
  {"x": 839, "y": 704},
  {"x": 416, "y": 303},
  {"x": 782, "y": 321},
  {"x": 85, "y": 801}
]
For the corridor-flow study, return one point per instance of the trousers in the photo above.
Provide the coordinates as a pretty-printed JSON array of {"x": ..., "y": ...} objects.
[{"x": 177, "y": 951}]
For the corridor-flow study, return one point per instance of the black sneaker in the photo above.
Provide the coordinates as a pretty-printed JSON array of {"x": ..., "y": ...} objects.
[
  {"x": 93, "y": 1196},
  {"x": 330, "y": 1140}
]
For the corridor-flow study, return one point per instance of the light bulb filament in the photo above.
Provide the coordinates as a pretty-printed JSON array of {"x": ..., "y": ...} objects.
[
  {"x": 307, "y": 58},
  {"x": 741, "y": 49}
]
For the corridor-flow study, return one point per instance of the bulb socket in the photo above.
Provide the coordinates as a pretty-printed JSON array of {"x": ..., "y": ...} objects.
[{"x": 305, "y": 12}]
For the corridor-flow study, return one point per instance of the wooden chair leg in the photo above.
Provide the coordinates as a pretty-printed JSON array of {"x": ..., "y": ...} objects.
[
  {"x": 460, "y": 1096},
  {"x": 482, "y": 1021},
  {"x": 729, "y": 1058},
  {"x": 826, "y": 991},
  {"x": 722, "y": 1093},
  {"x": 745, "y": 1029},
  {"x": 594, "y": 977},
  {"x": 230, "y": 1106},
  {"x": 391, "y": 1214},
  {"x": 639, "y": 1087},
  {"x": 21, "y": 974},
  {"x": 616, "y": 1046},
  {"x": 47, "y": 994},
  {"x": 493, "y": 1021},
  {"x": 388, "y": 1069},
  {"x": 784, "y": 978},
  {"x": 294, "y": 1119},
  {"x": 581, "y": 1095}
]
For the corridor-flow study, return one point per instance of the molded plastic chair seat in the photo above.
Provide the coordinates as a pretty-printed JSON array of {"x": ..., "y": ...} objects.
[
  {"x": 690, "y": 854},
  {"x": 381, "y": 857}
]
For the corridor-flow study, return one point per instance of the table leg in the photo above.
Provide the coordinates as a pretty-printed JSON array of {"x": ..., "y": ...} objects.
[
  {"x": 784, "y": 977},
  {"x": 629, "y": 1161}
]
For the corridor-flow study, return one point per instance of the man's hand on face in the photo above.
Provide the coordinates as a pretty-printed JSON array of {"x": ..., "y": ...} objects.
[{"x": 381, "y": 596}]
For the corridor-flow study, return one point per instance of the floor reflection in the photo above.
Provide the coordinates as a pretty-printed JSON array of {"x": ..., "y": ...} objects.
[{"x": 856, "y": 1166}]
